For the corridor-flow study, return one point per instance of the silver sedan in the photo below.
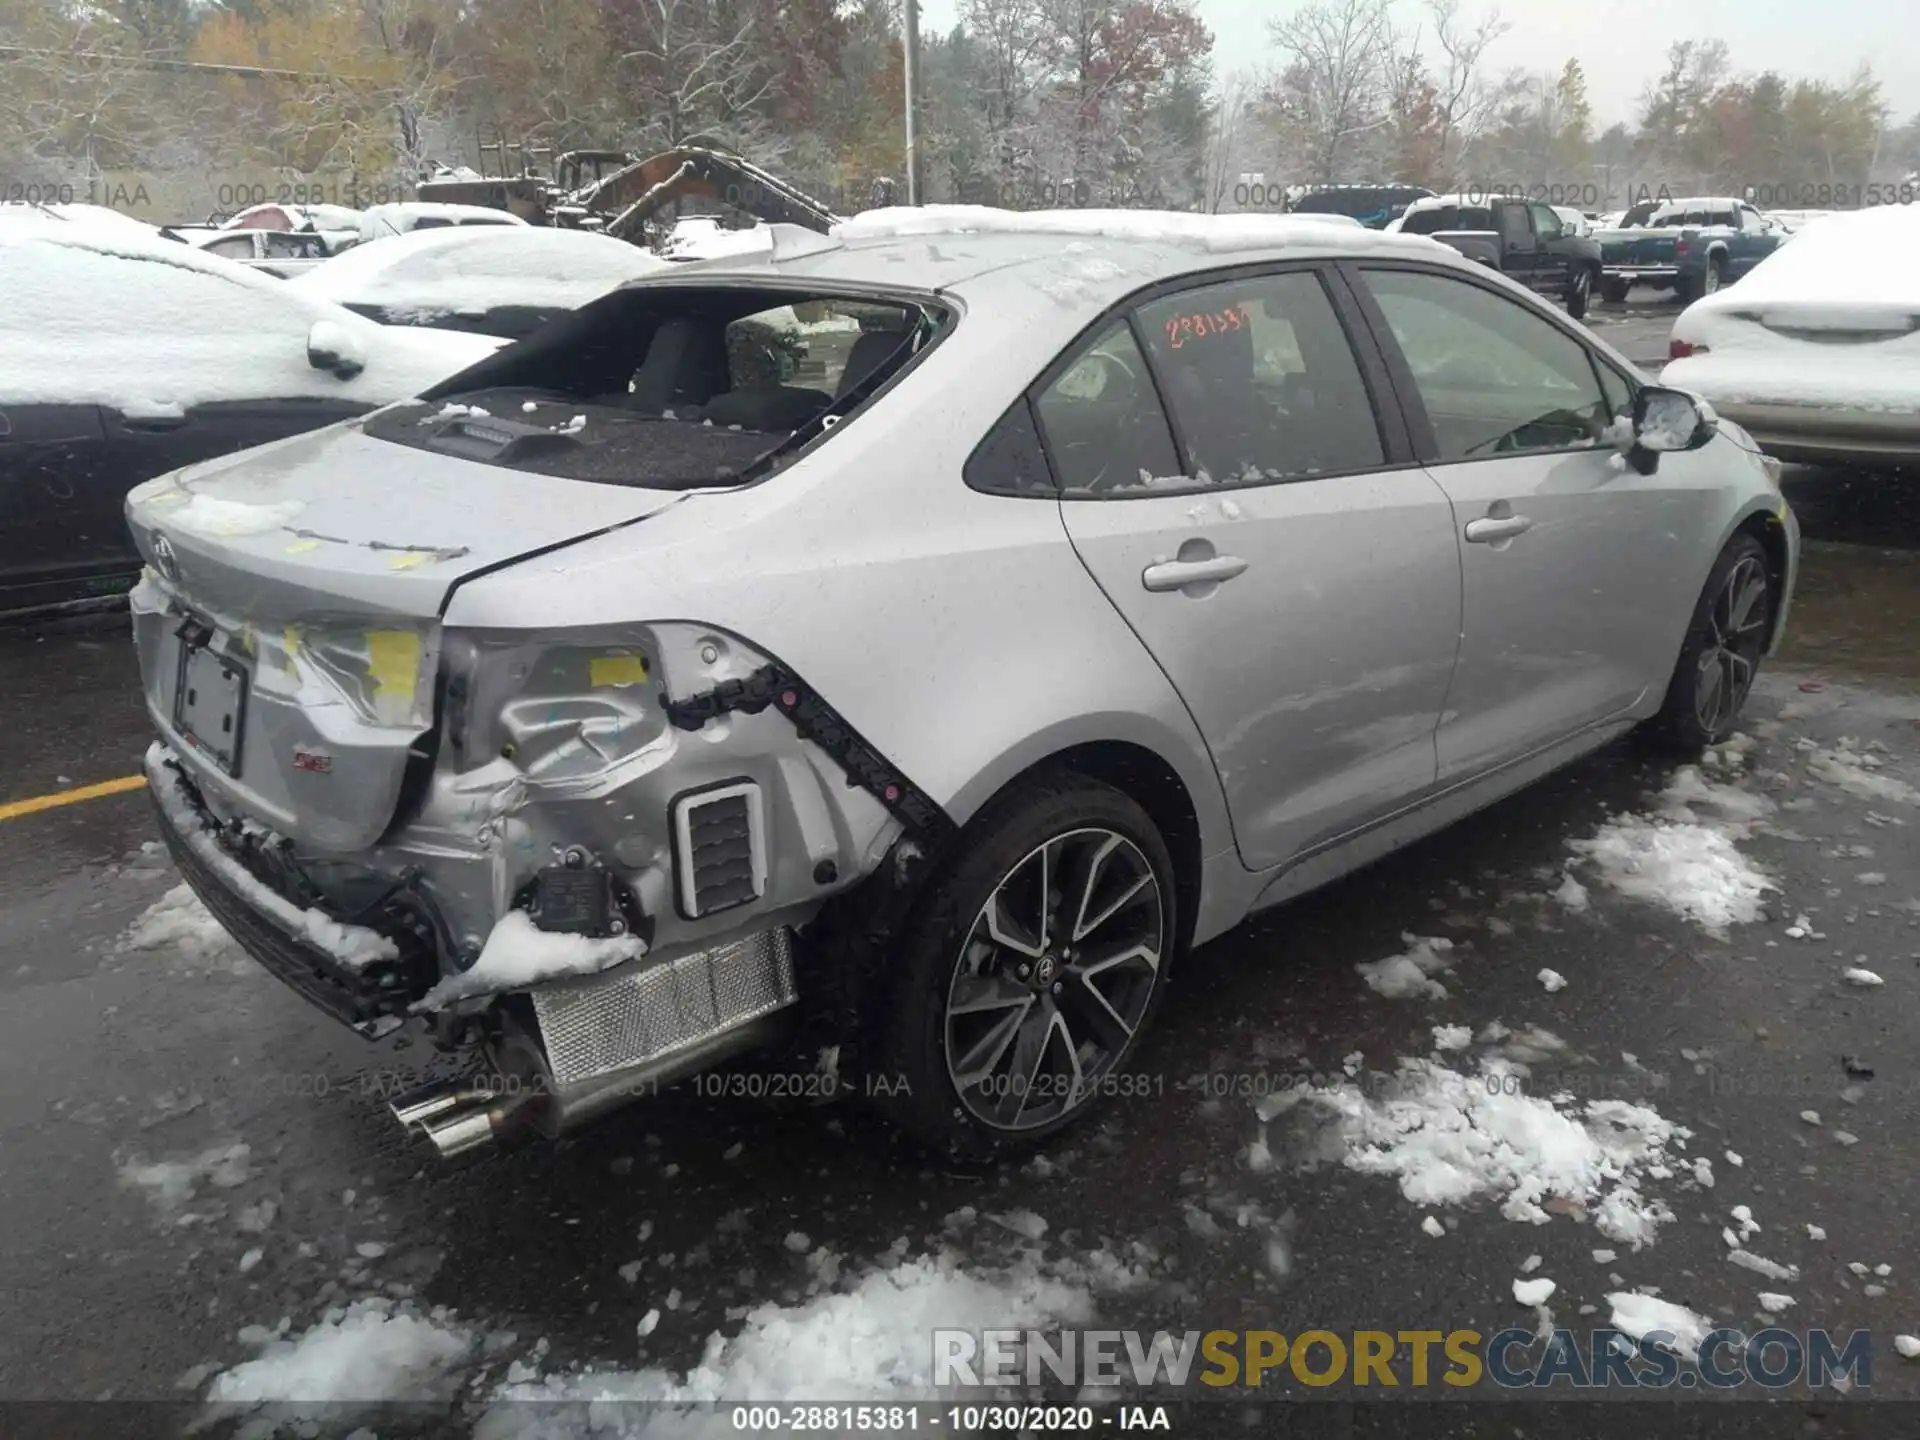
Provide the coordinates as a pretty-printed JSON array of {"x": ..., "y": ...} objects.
[{"x": 880, "y": 658}]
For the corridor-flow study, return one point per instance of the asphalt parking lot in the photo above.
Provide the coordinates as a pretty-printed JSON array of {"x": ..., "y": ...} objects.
[{"x": 191, "y": 1151}]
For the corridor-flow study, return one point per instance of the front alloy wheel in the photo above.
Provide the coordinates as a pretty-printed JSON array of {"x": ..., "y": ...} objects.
[
  {"x": 1721, "y": 656},
  {"x": 1054, "y": 979},
  {"x": 1737, "y": 636},
  {"x": 1019, "y": 991}
]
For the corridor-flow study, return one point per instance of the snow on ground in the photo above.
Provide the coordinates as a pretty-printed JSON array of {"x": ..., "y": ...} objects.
[
  {"x": 178, "y": 923},
  {"x": 1684, "y": 856},
  {"x": 1450, "y": 1137},
  {"x": 171, "y": 1183},
  {"x": 1642, "y": 1316},
  {"x": 873, "y": 1341},
  {"x": 369, "y": 1352},
  {"x": 1857, "y": 773},
  {"x": 1409, "y": 975},
  {"x": 518, "y": 955}
]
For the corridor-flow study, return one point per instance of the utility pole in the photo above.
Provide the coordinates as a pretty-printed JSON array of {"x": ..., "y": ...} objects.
[{"x": 912, "y": 72}]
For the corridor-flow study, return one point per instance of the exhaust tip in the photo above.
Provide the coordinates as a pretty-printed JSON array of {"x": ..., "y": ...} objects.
[{"x": 459, "y": 1116}]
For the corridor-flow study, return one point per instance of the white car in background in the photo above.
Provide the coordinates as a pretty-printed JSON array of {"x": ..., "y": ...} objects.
[
  {"x": 379, "y": 221},
  {"x": 282, "y": 253},
  {"x": 502, "y": 280},
  {"x": 1574, "y": 221},
  {"x": 1817, "y": 352},
  {"x": 125, "y": 354}
]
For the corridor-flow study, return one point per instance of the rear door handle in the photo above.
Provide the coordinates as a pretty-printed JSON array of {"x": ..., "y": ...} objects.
[
  {"x": 1487, "y": 532},
  {"x": 1178, "y": 574}
]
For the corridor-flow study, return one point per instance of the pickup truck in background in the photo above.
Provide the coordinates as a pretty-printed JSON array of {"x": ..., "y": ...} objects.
[
  {"x": 1691, "y": 247},
  {"x": 1523, "y": 239}
]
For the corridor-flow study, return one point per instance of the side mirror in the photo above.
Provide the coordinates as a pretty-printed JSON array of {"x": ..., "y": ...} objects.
[
  {"x": 1667, "y": 420},
  {"x": 330, "y": 347}
]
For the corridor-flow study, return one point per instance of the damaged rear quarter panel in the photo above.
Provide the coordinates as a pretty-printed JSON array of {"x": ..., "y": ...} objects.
[{"x": 956, "y": 631}]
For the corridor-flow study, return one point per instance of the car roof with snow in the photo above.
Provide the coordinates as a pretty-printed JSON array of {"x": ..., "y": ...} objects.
[
  {"x": 475, "y": 268},
  {"x": 187, "y": 327},
  {"x": 1698, "y": 202},
  {"x": 1082, "y": 259}
]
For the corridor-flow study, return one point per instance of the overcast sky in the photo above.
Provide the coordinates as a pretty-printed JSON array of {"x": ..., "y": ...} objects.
[{"x": 1621, "y": 43}]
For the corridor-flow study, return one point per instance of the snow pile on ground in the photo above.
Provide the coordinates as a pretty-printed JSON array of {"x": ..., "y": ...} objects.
[
  {"x": 519, "y": 954},
  {"x": 1409, "y": 975},
  {"x": 1857, "y": 773},
  {"x": 1685, "y": 856},
  {"x": 871, "y": 1342},
  {"x": 370, "y": 1352},
  {"x": 1644, "y": 1316},
  {"x": 178, "y": 922},
  {"x": 171, "y": 1183},
  {"x": 1451, "y": 1137}
]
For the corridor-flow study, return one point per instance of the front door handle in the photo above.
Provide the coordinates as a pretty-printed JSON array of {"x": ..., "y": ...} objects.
[
  {"x": 1178, "y": 574},
  {"x": 1490, "y": 532}
]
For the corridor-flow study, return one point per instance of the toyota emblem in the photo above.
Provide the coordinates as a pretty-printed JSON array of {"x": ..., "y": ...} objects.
[{"x": 164, "y": 559}]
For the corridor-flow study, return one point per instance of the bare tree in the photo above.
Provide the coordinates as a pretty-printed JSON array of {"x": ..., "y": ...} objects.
[
  {"x": 1337, "y": 52},
  {"x": 1466, "y": 99},
  {"x": 1230, "y": 143},
  {"x": 686, "y": 73}
]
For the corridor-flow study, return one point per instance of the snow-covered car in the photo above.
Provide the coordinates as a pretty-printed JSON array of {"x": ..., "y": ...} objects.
[
  {"x": 377, "y": 222},
  {"x": 1817, "y": 352},
  {"x": 296, "y": 219},
  {"x": 124, "y": 355},
  {"x": 503, "y": 280},
  {"x": 284, "y": 253},
  {"x": 1130, "y": 573},
  {"x": 1573, "y": 221}
]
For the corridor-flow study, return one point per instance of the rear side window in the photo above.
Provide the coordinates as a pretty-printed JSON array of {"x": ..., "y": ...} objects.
[
  {"x": 1104, "y": 429},
  {"x": 1010, "y": 461},
  {"x": 1261, "y": 380},
  {"x": 1431, "y": 222}
]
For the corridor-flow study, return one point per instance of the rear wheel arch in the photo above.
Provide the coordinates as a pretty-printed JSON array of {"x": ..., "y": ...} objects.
[{"x": 1151, "y": 782}]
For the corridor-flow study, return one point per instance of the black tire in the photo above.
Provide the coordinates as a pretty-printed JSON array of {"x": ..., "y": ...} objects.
[
  {"x": 1728, "y": 611},
  {"x": 1579, "y": 292},
  {"x": 1614, "y": 291},
  {"x": 909, "y": 1077}
]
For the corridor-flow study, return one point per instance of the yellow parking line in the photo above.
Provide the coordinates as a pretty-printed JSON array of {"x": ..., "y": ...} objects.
[{"x": 14, "y": 809}]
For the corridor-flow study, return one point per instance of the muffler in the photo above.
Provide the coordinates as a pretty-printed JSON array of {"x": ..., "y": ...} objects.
[{"x": 462, "y": 1115}]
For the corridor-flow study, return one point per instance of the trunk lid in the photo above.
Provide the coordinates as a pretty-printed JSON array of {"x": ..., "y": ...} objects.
[
  {"x": 338, "y": 520},
  {"x": 288, "y": 624}
]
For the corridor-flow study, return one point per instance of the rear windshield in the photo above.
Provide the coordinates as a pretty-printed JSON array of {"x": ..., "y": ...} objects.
[
  {"x": 1638, "y": 215},
  {"x": 672, "y": 387}
]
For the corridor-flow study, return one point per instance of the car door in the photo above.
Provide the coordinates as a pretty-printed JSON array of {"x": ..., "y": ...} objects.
[
  {"x": 1551, "y": 269},
  {"x": 1570, "y": 560},
  {"x": 61, "y": 535},
  {"x": 1267, "y": 537},
  {"x": 1751, "y": 242},
  {"x": 1519, "y": 255}
]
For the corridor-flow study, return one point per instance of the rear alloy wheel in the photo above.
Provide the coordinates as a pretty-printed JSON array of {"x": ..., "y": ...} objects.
[
  {"x": 1714, "y": 276},
  {"x": 1723, "y": 651},
  {"x": 1033, "y": 968}
]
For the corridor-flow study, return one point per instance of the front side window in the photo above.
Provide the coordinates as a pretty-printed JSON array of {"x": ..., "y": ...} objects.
[
  {"x": 1261, "y": 380},
  {"x": 1546, "y": 222},
  {"x": 1495, "y": 378},
  {"x": 1104, "y": 429}
]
